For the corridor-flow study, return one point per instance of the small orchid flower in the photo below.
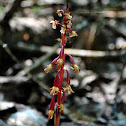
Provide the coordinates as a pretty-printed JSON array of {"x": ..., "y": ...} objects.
[
  {"x": 51, "y": 111},
  {"x": 76, "y": 68},
  {"x": 68, "y": 16},
  {"x": 55, "y": 88},
  {"x": 68, "y": 87},
  {"x": 49, "y": 67},
  {"x": 60, "y": 12},
  {"x": 50, "y": 114},
  {"x": 54, "y": 23},
  {"x": 69, "y": 23},
  {"x": 63, "y": 29},
  {"x": 72, "y": 34}
]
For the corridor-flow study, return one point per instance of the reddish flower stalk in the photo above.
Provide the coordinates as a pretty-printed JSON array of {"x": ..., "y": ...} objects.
[{"x": 57, "y": 90}]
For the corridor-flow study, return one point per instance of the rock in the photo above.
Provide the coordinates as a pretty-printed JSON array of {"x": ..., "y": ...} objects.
[
  {"x": 2, "y": 123},
  {"x": 26, "y": 116}
]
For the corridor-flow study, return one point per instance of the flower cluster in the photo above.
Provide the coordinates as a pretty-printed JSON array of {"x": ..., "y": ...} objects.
[{"x": 57, "y": 90}]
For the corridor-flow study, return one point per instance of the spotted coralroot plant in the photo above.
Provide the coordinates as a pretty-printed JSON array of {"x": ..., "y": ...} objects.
[{"x": 57, "y": 90}]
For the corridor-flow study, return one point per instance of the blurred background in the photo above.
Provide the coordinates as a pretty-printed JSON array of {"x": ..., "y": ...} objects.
[{"x": 28, "y": 44}]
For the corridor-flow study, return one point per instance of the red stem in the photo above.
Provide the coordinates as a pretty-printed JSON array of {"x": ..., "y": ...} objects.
[{"x": 57, "y": 115}]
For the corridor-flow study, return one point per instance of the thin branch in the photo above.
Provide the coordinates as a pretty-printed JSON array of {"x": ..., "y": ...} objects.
[
  {"x": 9, "y": 10},
  {"x": 39, "y": 61},
  {"x": 91, "y": 37},
  {"x": 16, "y": 80},
  {"x": 20, "y": 79},
  {"x": 9, "y": 51},
  {"x": 41, "y": 84},
  {"x": 104, "y": 13},
  {"x": 13, "y": 79},
  {"x": 120, "y": 31},
  {"x": 111, "y": 55},
  {"x": 76, "y": 52},
  {"x": 27, "y": 71}
]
